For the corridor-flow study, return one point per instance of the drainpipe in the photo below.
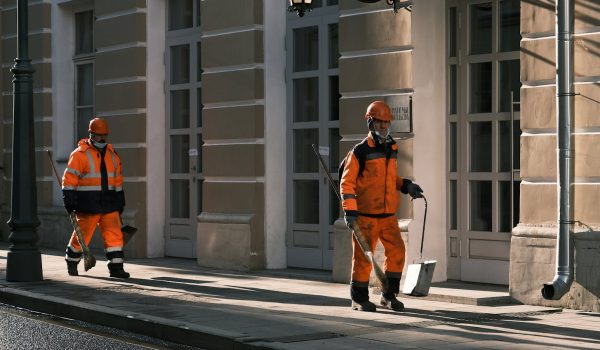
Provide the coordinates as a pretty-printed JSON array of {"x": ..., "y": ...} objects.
[{"x": 563, "y": 279}]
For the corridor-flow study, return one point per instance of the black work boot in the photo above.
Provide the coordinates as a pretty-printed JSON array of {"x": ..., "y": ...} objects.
[
  {"x": 364, "y": 306},
  {"x": 72, "y": 258},
  {"x": 360, "y": 299},
  {"x": 388, "y": 299},
  {"x": 116, "y": 270},
  {"x": 72, "y": 268}
]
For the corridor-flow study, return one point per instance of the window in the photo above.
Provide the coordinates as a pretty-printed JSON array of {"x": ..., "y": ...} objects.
[
  {"x": 483, "y": 128},
  {"x": 313, "y": 119},
  {"x": 183, "y": 50},
  {"x": 84, "y": 72}
]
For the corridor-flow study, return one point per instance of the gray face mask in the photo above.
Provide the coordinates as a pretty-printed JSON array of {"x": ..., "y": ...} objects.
[{"x": 99, "y": 145}]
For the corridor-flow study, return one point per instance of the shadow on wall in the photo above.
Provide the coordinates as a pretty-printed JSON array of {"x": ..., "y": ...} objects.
[
  {"x": 587, "y": 262},
  {"x": 586, "y": 11},
  {"x": 3, "y": 181}
]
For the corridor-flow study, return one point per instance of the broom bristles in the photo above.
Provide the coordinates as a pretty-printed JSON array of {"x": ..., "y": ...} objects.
[
  {"x": 381, "y": 278},
  {"x": 89, "y": 261}
]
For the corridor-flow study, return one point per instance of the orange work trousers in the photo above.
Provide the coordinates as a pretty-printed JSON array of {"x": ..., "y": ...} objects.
[
  {"x": 388, "y": 232},
  {"x": 110, "y": 227}
]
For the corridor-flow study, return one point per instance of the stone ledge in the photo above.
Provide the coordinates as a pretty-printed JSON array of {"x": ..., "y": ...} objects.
[
  {"x": 225, "y": 218},
  {"x": 581, "y": 231}
]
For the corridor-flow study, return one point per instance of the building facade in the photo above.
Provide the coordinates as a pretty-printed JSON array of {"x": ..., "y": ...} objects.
[{"x": 214, "y": 107}]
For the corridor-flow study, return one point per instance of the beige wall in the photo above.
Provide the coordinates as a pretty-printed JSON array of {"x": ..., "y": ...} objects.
[
  {"x": 233, "y": 94},
  {"x": 534, "y": 240},
  {"x": 120, "y": 72}
]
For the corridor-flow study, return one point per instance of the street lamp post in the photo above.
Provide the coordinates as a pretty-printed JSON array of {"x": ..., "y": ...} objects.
[{"x": 24, "y": 262}]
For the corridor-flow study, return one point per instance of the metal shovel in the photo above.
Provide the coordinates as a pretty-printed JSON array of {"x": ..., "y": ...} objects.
[
  {"x": 418, "y": 276},
  {"x": 127, "y": 230}
]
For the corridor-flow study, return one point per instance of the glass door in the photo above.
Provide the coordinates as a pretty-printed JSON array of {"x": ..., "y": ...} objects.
[
  {"x": 313, "y": 118},
  {"x": 483, "y": 74},
  {"x": 184, "y": 127}
]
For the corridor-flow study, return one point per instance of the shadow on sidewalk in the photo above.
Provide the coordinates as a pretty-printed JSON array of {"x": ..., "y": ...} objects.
[
  {"x": 229, "y": 291},
  {"x": 504, "y": 327},
  {"x": 254, "y": 309},
  {"x": 208, "y": 305}
]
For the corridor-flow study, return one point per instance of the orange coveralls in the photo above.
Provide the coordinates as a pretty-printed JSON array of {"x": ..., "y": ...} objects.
[
  {"x": 96, "y": 199},
  {"x": 373, "y": 195}
]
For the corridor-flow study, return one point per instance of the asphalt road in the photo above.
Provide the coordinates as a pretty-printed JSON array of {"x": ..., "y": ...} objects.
[{"x": 24, "y": 329}]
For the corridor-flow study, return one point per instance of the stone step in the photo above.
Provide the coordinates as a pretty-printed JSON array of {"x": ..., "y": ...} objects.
[{"x": 468, "y": 293}]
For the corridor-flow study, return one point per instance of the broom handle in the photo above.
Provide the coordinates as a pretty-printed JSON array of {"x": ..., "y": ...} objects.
[
  {"x": 54, "y": 167},
  {"x": 359, "y": 237},
  {"x": 337, "y": 192},
  {"x": 424, "y": 219}
]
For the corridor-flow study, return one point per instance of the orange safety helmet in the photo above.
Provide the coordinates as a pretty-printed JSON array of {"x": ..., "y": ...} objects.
[
  {"x": 98, "y": 126},
  {"x": 379, "y": 110}
]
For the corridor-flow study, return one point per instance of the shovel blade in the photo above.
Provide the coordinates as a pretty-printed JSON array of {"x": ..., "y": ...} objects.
[
  {"x": 128, "y": 232},
  {"x": 418, "y": 278}
]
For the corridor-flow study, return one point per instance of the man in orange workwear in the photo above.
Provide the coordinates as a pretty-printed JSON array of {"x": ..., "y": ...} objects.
[
  {"x": 368, "y": 187},
  {"x": 93, "y": 189}
]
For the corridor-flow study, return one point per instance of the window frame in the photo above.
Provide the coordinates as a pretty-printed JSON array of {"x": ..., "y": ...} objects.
[{"x": 81, "y": 59}]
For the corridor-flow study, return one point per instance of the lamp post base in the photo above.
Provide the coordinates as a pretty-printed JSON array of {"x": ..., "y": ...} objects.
[{"x": 24, "y": 266}]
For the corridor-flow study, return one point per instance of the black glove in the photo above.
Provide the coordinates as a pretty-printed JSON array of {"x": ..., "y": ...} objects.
[
  {"x": 70, "y": 200},
  {"x": 412, "y": 189},
  {"x": 350, "y": 217}
]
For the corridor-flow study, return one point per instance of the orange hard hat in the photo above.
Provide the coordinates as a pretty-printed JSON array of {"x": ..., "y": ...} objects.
[
  {"x": 98, "y": 126},
  {"x": 379, "y": 110}
]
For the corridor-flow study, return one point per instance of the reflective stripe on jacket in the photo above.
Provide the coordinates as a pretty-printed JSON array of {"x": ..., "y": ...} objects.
[
  {"x": 373, "y": 192},
  {"x": 82, "y": 180}
]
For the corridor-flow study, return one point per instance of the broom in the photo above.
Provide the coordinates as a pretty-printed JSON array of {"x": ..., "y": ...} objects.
[
  {"x": 89, "y": 260},
  {"x": 360, "y": 238}
]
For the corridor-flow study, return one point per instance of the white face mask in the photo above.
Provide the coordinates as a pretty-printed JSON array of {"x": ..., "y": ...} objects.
[{"x": 387, "y": 133}]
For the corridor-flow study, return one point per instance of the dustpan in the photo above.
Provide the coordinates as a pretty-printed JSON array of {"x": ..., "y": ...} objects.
[{"x": 419, "y": 275}]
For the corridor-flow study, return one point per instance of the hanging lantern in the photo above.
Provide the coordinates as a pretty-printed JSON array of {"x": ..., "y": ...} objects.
[
  {"x": 396, "y": 3},
  {"x": 300, "y": 6}
]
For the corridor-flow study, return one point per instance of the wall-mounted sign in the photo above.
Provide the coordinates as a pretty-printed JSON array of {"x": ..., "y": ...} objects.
[
  {"x": 401, "y": 107},
  {"x": 324, "y": 151}
]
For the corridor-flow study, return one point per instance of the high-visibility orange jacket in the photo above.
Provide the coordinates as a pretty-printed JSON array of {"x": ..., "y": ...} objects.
[
  {"x": 373, "y": 191},
  {"x": 88, "y": 185}
]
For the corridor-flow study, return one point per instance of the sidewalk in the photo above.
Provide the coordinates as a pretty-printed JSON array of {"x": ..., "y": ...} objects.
[{"x": 176, "y": 300}]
